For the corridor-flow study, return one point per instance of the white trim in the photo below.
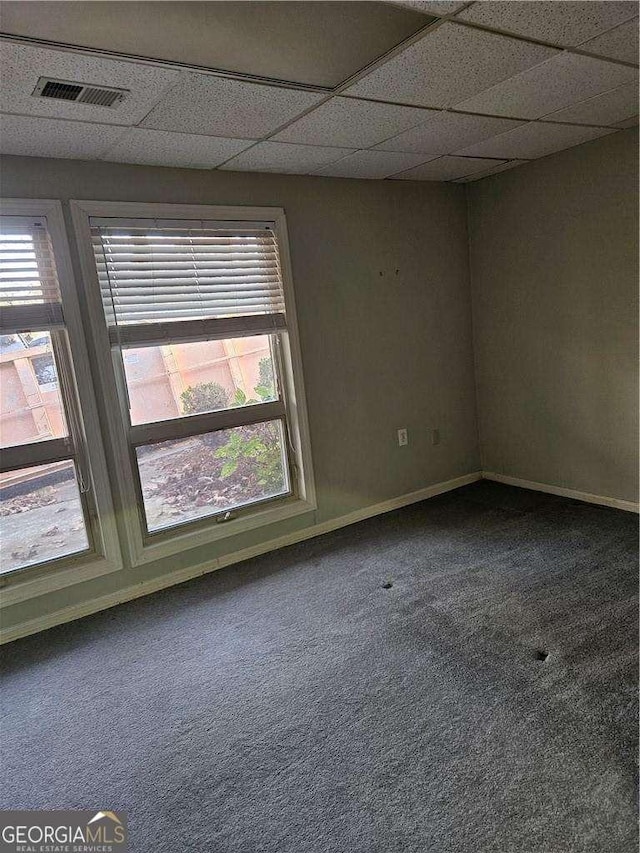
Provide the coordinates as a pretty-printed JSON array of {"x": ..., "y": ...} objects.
[
  {"x": 266, "y": 514},
  {"x": 82, "y": 375},
  {"x": 183, "y": 331},
  {"x": 140, "y": 550},
  {"x": 294, "y": 393},
  {"x": 175, "y": 212},
  {"x": 587, "y": 497},
  {"x": 106, "y": 384},
  {"x": 15, "y": 589},
  {"x": 189, "y": 425},
  {"x": 31, "y": 581},
  {"x": 129, "y": 593}
]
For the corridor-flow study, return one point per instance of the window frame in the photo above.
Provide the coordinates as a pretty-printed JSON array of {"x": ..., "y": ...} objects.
[
  {"x": 76, "y": 391},
  {"x": 144, "y": 547}
]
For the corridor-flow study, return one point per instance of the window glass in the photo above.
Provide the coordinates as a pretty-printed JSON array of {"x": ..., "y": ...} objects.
[
  {"x": 197, "y": 329},
  {"x": 41, "y": 515},
  {"x": 180, "y": 379},
  {"x": 44, "y": 368},
  {"x": 31, "y": 406},
  {"x": 186, "y": 479}
]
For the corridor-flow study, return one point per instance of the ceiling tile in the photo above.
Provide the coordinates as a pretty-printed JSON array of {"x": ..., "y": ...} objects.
[
  {"x": 447, "y": 132},
  {"x": 629, "y": 122},
  {"x": 448, "y": 64},
  {"x": 284, "y": 158},
  {"x": 511, "y": 164},
  {"x": 447, "y": 169},
  {"x": 219, "y": 107},
  {"x": 608, "y": 108},
  {"x": 44, "y": 137},
  {"x": 319, "y": 44},
  {"x": 560, "y": 82},
  {"x": 23, "y": 64},
  {"x": 436, "y": 8},
  {"x": 370, "y": 164},
  {"x": 534, "y": 139},
  {"x": 557, "y": 21},
  {"x": 619, "y": 43},
  {"x": 352, "y": 123},
  {"x": 162, "y": 148}
]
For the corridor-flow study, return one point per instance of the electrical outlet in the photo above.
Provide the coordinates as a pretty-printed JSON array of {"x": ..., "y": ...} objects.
[
  {"x": 435, "y": 437},
  {"x": 403, "y": 438}
]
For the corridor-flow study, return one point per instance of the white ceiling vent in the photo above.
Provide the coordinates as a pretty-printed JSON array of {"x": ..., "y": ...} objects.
[{"x": 80, "y": 93}]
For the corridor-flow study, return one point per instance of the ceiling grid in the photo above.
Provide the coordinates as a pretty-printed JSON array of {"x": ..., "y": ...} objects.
[{"x": 466, "y": 90}]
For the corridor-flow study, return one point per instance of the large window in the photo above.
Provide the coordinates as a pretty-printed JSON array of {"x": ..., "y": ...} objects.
[
  {"x": 45, "y": 488},
  {"x": 193, "y": 317},
  {"x": 196, "y": 363}
]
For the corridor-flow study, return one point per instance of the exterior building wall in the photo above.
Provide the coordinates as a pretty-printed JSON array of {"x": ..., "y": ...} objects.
[{"x": 157, "y": 376}]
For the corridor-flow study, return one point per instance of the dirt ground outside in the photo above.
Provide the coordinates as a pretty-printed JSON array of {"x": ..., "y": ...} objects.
[{"x": 50, "y": 525}]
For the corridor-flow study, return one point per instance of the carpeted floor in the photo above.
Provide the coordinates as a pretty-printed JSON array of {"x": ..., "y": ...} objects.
[{"x": 376, "y": 690}]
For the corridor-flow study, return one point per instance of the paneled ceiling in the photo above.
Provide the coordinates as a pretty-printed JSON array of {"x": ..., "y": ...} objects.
[{"x": 442, "y": 91}]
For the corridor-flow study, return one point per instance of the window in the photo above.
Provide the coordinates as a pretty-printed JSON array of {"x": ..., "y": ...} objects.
[
  {"x": 44, "y": 368},
  {"x": 44, "y": 479},
  {"x": 208, "y": 415},
  {"x": 198, "y": 367}
]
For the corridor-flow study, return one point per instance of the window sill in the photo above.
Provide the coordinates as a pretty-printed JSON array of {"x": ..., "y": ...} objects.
[
  {"x": 33, "y": 581},
  {"x": 19, "y": 586},
  {"x": 169, "y": 544}
]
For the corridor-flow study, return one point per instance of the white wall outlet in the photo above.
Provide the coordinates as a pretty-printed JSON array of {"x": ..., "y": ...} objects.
[
  {"x": 403, "y": 438},
  {"x": 435, "y": 436}
]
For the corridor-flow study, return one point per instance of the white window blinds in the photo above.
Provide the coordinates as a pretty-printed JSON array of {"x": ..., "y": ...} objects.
[
  {"x": 177, "y": 276},
  {"x": 29, "y": 290}
]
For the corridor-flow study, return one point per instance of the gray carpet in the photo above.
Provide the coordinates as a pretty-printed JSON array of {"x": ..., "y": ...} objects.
[{"x": 297, "y": 703}]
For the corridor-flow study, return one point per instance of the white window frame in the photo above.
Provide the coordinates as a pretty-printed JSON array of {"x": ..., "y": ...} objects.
[
  {"x": 142, "y": 547},
  {"x": 105, "y": 554}
]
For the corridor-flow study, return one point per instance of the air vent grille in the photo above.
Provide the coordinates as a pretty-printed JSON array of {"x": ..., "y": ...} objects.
[
  {"x": 60, "y": 91},
  {"x": 79, "y": 93},
  {"x": 99, "y": 97}
]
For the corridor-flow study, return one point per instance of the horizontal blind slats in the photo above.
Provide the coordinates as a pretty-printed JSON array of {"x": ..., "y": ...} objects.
[
  {"x": 28, "y": 274},
  {"x": 202, "y": 239},
  {"x": 177, "y": 304},
  {"x": 132, "y": 297},
  {"x": 153, "y": 274},
  {"x": 132, "y": 247},
  {"x": 175, "y": 253},
  {"x": 182, "y": 312},
  {"x": 147, "y": 278},
  {"x": 145, "y": 234},
  {"x": 186, "y": 262}
]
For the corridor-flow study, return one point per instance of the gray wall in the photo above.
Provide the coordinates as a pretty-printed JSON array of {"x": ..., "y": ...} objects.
[
  {"x": 555, "y": 285},
  {"x": 382, "y": 288},
  {"x": 383, "y": 293}
]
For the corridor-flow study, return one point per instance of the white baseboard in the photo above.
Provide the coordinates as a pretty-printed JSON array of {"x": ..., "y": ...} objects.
[
  {"x": 628, "y": 506},
  {"x": 85, "y": 608}
]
